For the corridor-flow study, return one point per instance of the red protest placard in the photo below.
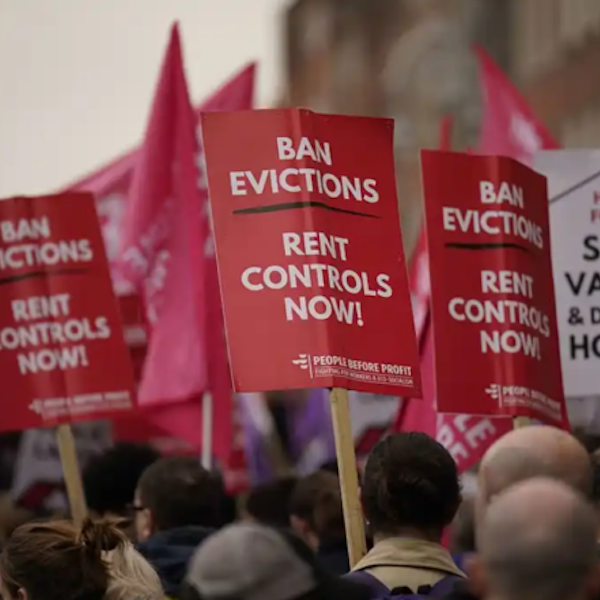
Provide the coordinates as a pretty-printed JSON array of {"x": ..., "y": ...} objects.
[
  {"x": 62, "y": 353},
  {"x": 494, "y": 314},
  {"x": 309, "y": 250}
]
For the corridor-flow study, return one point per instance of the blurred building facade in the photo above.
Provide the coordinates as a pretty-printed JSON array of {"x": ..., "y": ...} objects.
[
  {"x": 555, "y": 59},
  {"x": 411, "y": 60}
]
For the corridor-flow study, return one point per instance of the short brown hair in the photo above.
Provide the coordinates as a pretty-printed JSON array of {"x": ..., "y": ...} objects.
[
  {"x": 179, "y": 492},
  {"x": 55, "y": 560},
  {"x": 317, "y": 499}
]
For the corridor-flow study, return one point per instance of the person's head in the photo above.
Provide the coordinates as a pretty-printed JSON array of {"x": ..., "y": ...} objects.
[
  {"x": 315, "y": 508},
  {"x": 410, "y": 487},
  {"x": 176, "y": 492},
  {"x": 55, "y": 560},
  {"x": 110, "y": 478},
  {"x": 252, "y": 561},
  {"x": 537, "y": 541},
  {"x": 462, "y": 540},
  {"x": 131, "y": 576},
  {"x": 535, "y": 451},
  {"x": 269, "y": 503},
  {"x": 331, "y": 466}
]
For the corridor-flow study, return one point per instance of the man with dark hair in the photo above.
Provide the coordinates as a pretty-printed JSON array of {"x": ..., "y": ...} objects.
[
  {"x": 268, "y": 503},
  {"x": 316, "y": 515},
  {"x": 537, "y": 542},
  {"x": 410, "y": 493},
  {"x": 110, "y": 478},
  {"x": 462, "y": 539},
  {"x": 177, "y": 505}
]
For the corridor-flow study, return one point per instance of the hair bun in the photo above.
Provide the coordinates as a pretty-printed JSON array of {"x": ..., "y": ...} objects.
[{"x": 100, "y": 536}]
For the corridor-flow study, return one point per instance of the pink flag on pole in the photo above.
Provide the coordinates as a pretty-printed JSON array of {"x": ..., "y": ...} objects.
[
  {"x": 466, "y": 437},
  {"x": 163, "y": 240},
  {"x": 509, "y": 126}
]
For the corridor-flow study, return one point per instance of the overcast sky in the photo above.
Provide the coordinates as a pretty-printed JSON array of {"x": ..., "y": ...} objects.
[{"x": 76, "y": 76}]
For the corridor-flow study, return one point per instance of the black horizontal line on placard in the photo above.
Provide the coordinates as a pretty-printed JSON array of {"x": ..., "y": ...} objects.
[
  {"x": 300, "y": 205},
  {"x": 496, "y": 246},
  {"x": 36, "y": 274}
]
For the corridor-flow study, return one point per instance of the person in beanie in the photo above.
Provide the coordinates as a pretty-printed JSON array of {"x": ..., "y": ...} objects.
[
  {"x": 177, "y": 506},
  {"x": 251, "y": 561}
]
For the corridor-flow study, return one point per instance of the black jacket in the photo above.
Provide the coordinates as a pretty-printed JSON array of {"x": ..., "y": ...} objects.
[
  {"x": 333, "y": 556},
  {"x": 170, "y": 551}
]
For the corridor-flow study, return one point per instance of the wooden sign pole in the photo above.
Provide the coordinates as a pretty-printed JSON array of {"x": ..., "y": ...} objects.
[
  {"x": 346, "y": 456},
  {"x": 519, "y": 422},
  {"x": 71, "y": 473}
]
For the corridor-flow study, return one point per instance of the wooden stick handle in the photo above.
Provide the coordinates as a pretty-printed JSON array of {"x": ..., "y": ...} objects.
[
  {"x": 519, "y": 422},
  {"x": 71, "y": 473},
  {"x": 344, "y": 446}
]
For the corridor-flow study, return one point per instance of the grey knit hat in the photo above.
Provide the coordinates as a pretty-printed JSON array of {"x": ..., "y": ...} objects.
[{"x": 248, "y": 561}]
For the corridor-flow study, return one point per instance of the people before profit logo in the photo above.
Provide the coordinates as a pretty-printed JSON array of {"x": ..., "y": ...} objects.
[
  {"x": 36, "y": 406},
  {"x": 301, "y": 178},
  {"x": 494, "y": 391},
  {"x": 302, "y": 361}
]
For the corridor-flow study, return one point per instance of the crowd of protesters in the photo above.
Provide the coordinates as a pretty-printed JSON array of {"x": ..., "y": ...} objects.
[{"x": 165, "y": 528}]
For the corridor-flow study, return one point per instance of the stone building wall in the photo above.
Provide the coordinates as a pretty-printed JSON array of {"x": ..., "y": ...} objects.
[{"x": 406, "y": 59}]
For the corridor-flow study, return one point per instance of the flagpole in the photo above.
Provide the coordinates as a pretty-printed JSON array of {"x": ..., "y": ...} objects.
[{"x": 207, "y": 430}]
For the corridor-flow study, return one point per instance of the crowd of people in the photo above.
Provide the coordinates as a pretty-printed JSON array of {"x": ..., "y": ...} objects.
[{"x": 165, "y": 528}]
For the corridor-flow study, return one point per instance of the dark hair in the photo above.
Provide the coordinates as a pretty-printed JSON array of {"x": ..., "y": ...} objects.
[
  {"x": 590, "y": 441},
  {"x": 462, "y": 540},
  {"x": 56, "y": 560},
  {"x": 410, "y": 481},
  {"x": 178, "y": 492},
  {"x": 331, "y": 466},
  {"x": 268, "y": 503},
  {"x": 317, "y": 500},
  {"x": 110, "y": 478}
]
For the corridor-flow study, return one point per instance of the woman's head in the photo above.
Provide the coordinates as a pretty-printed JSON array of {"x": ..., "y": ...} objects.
[
  {"x": 55, "y": 560},
  {"x": 316, "y": 512},
  {"x": 131, "y": 576}
]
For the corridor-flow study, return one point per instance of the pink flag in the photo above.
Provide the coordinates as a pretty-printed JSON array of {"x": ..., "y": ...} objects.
[
  {"x": 163, "y": 239},
  {"x": 111, "y": 183},
  {"x": 466, "y": 437},
  {"x": 168, "y": 255},
  {"x": 509, "y": 126}
]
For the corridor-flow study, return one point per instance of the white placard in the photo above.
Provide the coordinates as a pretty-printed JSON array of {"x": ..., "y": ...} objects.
[{"x": 574, "y": 192}]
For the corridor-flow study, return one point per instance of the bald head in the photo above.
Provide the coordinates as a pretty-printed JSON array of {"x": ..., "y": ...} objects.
[
  {"x": 535, "y": 451},
  {"x": 538, "y": 540}
]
